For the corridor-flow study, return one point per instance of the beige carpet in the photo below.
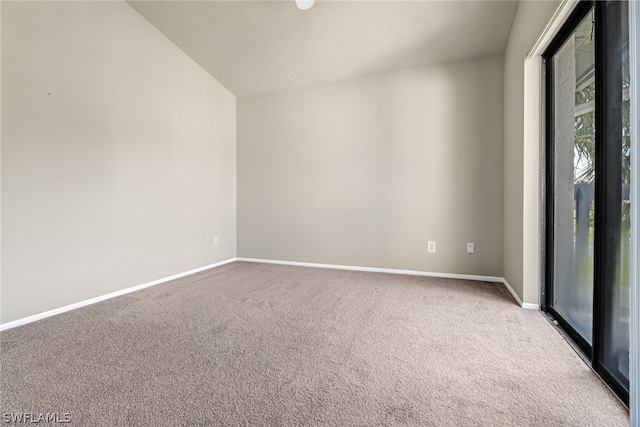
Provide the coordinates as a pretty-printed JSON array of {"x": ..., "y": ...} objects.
[{"x": 253, "y": 344}]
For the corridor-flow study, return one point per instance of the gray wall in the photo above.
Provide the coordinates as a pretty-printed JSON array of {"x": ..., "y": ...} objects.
[
  {"x": 118, "y": 156},
  {"x": 364, "y": 172},
  {"x": 530, "y": 20}
]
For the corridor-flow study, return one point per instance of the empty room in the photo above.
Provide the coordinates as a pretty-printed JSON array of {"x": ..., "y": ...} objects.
[{"x": 300, "y": 213}]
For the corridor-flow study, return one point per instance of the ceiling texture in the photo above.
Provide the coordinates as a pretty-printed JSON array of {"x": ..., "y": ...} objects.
[{"x": 253, "y": 47}]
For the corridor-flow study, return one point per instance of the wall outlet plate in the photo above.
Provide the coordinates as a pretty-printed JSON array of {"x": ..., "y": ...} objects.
[
  {"x": 215, "y": 241},
  {"x": 431, "y": 246},
  {"x": 471, "y": 247}
]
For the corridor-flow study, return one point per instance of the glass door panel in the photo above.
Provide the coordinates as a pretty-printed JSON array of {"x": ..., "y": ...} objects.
[
  {"x": 615, "y": 336},
  {"x": 574, "y": 173}
]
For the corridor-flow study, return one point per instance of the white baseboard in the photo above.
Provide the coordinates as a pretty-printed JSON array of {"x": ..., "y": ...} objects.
[
  {"x": 90, "y": 301},
  {"x": 495, "y": 279},
  {"x": 377, "y": 270},
  {"x": 526, "y": 305},
  {"x": 513, "y": 293}
]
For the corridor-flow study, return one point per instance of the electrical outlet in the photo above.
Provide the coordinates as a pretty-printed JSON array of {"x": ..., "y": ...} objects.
[
  {"x": 431, "y": 246},
  {"x": 471, "y": 247},
  {"x": 215, "y": 241}
]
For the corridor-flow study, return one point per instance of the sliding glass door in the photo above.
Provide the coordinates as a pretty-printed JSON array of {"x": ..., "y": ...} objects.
[{"x": 587, "y": 188}]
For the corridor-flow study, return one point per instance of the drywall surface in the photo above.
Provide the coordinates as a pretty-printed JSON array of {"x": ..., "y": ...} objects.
[
  {"x": 531, "y": 18},
  {"x": 364, "y": 172},
  {"x": 118, "y": 156}
]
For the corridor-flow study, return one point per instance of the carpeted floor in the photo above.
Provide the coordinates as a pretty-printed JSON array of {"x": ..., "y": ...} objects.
[{"x": 268, "y": 345}]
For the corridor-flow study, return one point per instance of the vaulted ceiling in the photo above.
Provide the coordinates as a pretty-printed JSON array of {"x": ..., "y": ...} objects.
[{"x": 262, "y": 46}]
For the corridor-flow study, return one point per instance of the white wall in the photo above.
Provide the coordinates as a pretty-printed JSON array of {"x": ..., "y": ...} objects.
[
  {"x": 522, "y": 164},
  {"x": 363, "y": 172},
  {"x": 118, "y": 156}
]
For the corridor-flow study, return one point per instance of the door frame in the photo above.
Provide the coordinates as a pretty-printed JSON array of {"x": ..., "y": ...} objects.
[{"x": 634, "y": 324}]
